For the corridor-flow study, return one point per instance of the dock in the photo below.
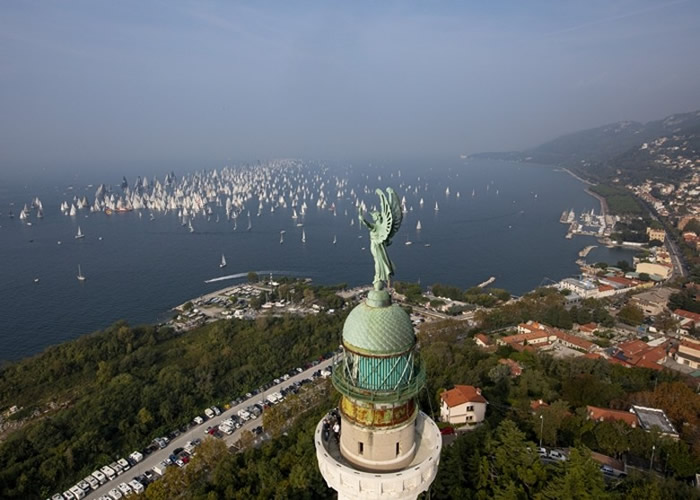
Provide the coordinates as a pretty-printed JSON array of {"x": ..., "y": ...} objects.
[{"x": 586, "y": 250}]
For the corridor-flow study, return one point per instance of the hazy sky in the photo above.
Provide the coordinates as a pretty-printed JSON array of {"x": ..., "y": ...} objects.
[{"x": 108, "y": 84}]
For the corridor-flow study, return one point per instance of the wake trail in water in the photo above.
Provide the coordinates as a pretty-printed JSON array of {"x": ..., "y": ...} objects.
[{"x": 243, "y": 275}]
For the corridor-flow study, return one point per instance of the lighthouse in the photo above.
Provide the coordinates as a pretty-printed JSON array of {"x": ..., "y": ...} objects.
[{"x": 386, "y": 447}]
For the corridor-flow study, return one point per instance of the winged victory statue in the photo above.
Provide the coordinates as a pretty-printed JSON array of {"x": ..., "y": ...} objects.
[{"x": 386, "y": 222}]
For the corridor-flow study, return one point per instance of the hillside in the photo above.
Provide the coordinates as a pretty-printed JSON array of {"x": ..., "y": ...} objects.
[{"x": 618, "y": 149}]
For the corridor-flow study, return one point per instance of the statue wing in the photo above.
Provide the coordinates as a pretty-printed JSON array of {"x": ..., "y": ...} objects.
[
  {"x": 396, "y": 213},
  {"x": 384, "y": 222}
]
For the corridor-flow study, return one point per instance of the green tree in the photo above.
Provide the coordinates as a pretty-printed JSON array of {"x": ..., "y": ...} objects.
[
  {"x": 631, "y": 315},
  {"x": 253, "y": 277},
  {"x": 581, "y": 479}
]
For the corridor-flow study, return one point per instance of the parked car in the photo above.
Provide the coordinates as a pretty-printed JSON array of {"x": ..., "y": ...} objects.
[
  {"x": 555, "y": 455},
  {"x": 115, "y": 494}
]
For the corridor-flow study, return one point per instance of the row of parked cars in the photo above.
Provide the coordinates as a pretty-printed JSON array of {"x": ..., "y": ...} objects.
[
  {"x": 181, "y": 457},
  {"x": 101, "y": 476}
]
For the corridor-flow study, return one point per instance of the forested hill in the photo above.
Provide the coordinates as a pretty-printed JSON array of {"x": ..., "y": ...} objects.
[
  {"x": 109, "y": 393},
  {"x": 600, "y": 152}
]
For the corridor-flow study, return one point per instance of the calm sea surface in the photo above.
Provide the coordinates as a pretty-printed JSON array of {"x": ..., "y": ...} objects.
[{"x": 140, "y": 268}]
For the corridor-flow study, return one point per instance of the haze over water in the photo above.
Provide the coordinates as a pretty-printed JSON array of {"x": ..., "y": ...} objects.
[{"x": 141, "y": 268}]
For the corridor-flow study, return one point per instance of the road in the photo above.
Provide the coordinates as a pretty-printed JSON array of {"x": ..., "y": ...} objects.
[
  {"x": 671, "y": 245},
  {"x": 199, "y": 431}
]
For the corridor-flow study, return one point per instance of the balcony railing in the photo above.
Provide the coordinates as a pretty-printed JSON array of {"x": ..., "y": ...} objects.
[{"x": 344, "y": 384}]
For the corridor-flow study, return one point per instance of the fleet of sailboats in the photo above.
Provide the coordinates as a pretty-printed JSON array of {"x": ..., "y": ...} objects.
[{"x": 284, "y": 186}]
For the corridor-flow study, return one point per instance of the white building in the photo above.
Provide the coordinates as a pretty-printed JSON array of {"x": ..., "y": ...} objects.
[
  {"x": 582, "y": 288},
  {"x": 463, "y": 405}
]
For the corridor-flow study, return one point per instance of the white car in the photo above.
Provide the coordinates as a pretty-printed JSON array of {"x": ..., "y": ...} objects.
[
  {"x": 115, "y": 494},
  {"x": 125, "y": 488},
  {"x": 555, "y": 455},
  {"x": 136, "y": 486}
]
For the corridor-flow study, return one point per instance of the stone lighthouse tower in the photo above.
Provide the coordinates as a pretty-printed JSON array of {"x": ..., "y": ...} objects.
[{"x": 387, "y": 448}]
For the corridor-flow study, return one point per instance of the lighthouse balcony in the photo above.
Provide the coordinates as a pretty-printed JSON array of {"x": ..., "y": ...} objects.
[{"x": 407, "y": 389}]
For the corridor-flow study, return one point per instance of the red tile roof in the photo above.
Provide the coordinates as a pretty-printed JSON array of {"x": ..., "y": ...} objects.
[
  {"x": 633, "y": 347},
  {"x": 483, "y": 338},
  {"x": 535, "y": 405},
  {"x": 695, "y": 317},
  {"x": 572, "y": 339},
  {"x": 462, "y": 394},
  {"x": 621, "y": 281},
  {"x": 588, "y": 327},
  {"x": 515, "y": 369},
  {"x": 606, "y": 414},
  {"x": 522, "y": 337}
]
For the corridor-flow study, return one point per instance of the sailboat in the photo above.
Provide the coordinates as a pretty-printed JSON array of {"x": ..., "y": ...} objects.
[
  {"x": 436, "y": 206},
  {"x": 418, "y": 226},
  {"x": 335, "y": 239},
  {"x": 223, "y": 261},
  {"x": 303, "y": 236},
  {"x": 408, "y": 242},
  {"x": 80, "y": 274},
  {"x": 80, "y": 234},
  {"x": 282, "y": 236},
  {"x": 250, "y": 225}
]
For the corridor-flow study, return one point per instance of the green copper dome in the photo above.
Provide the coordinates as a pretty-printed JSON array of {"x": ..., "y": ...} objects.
[{"x": 378, "y": 327}]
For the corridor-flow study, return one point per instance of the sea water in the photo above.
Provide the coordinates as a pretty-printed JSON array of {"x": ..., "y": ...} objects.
[{"x": 504, "y": 224}]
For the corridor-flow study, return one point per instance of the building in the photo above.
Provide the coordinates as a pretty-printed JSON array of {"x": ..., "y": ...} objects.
[
  {"x": 650, "y": 268},
  {"x": 385, "y": 446},
  {"x": 607, "y": 415},
  {"x": 650, "y": 418},
  {"x": 640, "y": 354},
  {"x": 515, "y": 369},
  {"x": 652, "y": 302},
  {"x": 574, "y": 342},
  {"x": 688, "y": 352},
  {"x": 463, "y": 405},
  {"x": 656, "y": 234},
  {"x": 588, "y": 329},
  {"x": 582, "y": 288},
  {"x": 537, "y": 338},
  {"x": 687, "y": 318},
  {"x": 482, "y": 340}
]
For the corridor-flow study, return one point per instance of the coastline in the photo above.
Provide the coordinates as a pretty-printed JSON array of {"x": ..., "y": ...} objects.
[{"x": 601, "y": 200}]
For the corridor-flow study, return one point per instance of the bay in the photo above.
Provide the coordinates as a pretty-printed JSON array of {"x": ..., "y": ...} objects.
[{"x": 504, "y": 224}]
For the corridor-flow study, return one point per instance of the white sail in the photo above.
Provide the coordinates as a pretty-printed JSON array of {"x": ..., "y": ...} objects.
[
  {"x": 436, "y": 206},
  {"x": 223, "y": 261},
  {"x": 80, "y": 274},
  {"x": 303, "y": 236},
  {"x": 335, "y": 239},
  {"x": 418, "y": 226},
  {"x": 79, "y": 234}
]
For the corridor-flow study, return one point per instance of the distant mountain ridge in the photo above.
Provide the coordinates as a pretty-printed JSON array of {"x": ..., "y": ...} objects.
[{"x": 600, "y": 152}]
